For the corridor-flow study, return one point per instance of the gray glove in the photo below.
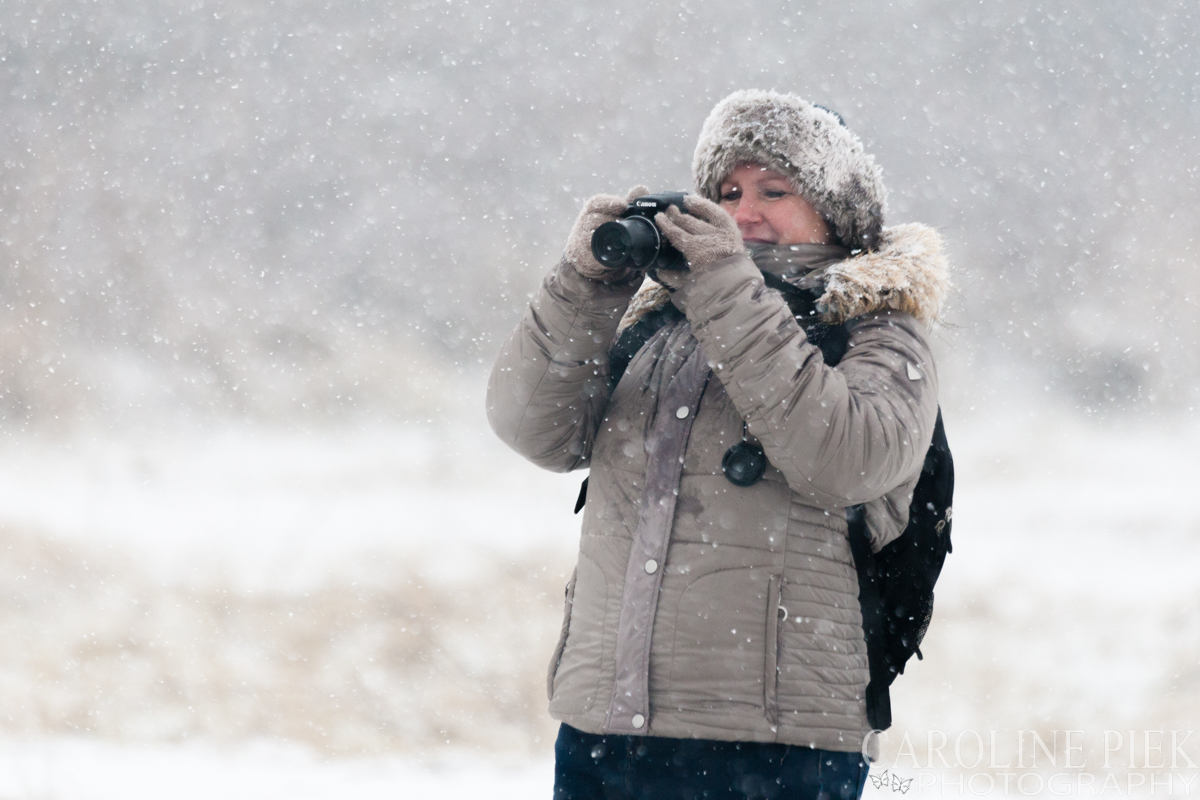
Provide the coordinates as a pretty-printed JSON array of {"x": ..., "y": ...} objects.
[
  {"x": 598, "y": 210},
  {"x": 705, "y": 235}
]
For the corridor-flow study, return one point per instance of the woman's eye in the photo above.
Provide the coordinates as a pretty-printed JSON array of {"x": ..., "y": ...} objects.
[
  {"x": 731, "y": 195},
  {"x": 774, "y": 194}
]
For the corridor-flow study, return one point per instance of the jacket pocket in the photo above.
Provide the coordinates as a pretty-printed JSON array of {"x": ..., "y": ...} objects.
[
  {"x": 776, "y": 616},
  {"x": 562, "y": 636}
]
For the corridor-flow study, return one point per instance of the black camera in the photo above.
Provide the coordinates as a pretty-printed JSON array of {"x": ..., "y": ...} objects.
[{"x": 635, "y": 241}]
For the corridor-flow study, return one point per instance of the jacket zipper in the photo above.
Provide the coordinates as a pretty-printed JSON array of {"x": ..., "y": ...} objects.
[
  {"x": 776, "y": 615},
  {"x": 556, "y": 659}
]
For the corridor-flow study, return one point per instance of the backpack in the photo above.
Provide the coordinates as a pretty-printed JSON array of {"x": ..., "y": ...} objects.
[{"x": 895, "y": 585}]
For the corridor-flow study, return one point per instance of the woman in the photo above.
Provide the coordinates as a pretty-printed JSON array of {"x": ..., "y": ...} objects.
[{"x": 713, "y": 642}]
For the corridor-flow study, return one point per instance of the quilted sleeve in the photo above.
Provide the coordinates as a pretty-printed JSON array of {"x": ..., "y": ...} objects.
[
  {"x": 840, "y": 435},
  {"x": 549, "y": 386}
]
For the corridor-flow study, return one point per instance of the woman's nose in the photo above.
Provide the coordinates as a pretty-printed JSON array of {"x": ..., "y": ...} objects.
[{"x": 746, "y": 212}]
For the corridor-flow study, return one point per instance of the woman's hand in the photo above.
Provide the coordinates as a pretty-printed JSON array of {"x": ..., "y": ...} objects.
[
  {"x": 705, "y": 235},
  {"x": 598, "y": 210}
]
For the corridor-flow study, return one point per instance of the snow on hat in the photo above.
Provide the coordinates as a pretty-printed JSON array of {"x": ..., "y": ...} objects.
[{"x": 806, "y": 143}]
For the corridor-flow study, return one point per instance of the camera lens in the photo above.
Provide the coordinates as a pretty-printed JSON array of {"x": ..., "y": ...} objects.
[
  {"x": 610, "y": 244},
  {"x": 616, "y": 244}
]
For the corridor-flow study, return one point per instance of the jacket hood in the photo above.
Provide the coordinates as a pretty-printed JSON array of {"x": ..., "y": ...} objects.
[{"x": 908, "y": 272}]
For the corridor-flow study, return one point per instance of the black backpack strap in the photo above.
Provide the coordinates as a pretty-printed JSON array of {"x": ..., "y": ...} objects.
[
  {"x": 633, "y": 338},
  {"x": 627, "y": 345},
  {"x": 833, "y": 340},
  {"x": 879, "y": 701},
  {"x": 582, "y": 499}
]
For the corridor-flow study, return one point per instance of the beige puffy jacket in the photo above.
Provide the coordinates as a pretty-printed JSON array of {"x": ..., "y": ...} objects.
[{"x": 699, "y": 608}]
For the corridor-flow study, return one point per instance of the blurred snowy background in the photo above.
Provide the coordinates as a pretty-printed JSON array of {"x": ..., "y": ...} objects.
[{"x": 255, "y": 259}]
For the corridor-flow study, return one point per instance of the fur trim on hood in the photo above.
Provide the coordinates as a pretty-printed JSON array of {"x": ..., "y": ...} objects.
[
  {"x": 908, "y": 272},
  {"x": 808, "y": 144}
]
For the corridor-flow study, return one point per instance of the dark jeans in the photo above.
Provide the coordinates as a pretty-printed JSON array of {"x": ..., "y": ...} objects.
[{"x": 591, "y": 767}]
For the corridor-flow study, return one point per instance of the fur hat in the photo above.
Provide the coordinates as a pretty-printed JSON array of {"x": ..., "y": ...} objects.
[{"x": 805, "y": 142}]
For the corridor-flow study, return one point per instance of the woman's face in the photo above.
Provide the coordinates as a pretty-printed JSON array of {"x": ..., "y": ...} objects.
[{"x": 768, "y": 210}]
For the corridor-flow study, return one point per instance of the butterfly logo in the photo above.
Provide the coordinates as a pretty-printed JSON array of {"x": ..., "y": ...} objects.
[{"x": 885, "y": 780}]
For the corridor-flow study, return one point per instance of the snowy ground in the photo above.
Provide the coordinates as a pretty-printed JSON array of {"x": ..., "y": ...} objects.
[
  {"x": 272, "y": 509},
  {"x": 87, "y": 769},
  {"x": 258, "y": 614}
]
